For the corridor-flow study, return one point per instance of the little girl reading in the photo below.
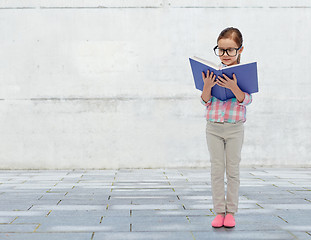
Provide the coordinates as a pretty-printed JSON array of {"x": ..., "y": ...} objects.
[{"x": 225, "y": 129}]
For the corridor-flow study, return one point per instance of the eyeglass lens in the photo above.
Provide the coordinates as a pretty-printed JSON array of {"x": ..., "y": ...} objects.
[{"x": 231, "y": 51}]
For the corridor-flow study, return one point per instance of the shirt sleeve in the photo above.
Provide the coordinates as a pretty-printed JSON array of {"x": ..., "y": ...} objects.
[
  {"x": 247, "y": 100},
  {"x": 206, "y": 103}
]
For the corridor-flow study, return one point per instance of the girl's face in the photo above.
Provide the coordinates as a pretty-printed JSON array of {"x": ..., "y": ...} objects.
[{"x": 227, "y": 43}]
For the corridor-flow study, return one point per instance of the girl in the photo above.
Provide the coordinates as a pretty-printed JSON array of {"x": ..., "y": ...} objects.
[{"x": 225, "y": 129}]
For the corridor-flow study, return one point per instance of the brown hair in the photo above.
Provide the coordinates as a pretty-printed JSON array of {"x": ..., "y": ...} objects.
[{"x": 235, "y": 35}]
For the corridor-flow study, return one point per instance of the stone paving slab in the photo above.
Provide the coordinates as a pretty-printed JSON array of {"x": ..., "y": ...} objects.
[
  {"x": 150, "y": 204},
  {"x": 243, "y": 235},
  {"x": 174, "y": 235},
  {"x": 45, "y": 236}
]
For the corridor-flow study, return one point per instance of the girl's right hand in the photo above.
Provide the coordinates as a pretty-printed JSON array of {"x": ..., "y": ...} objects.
[{"x": 209, "y": 79}]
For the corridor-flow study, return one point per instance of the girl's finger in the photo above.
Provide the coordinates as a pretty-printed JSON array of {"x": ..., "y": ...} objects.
[
  {"x": 226, "y": 77},
  {"x": 234, "y": 77},
  {"x": 203, "y": 75},
  {"x": 221, "y": 79},
  {"x": 214, "y": 78},
  {"x": 214, "y": 83},
  {"x": 220, "y": 83}
]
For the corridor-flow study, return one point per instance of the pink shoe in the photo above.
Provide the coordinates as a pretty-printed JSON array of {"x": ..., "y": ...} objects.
[
  {"x": 218, "y": 221},
  {"x": 229, "y": 221}
]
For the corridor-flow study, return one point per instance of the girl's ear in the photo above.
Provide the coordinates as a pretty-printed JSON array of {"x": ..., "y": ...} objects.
[{"x": 241, "y": 50}]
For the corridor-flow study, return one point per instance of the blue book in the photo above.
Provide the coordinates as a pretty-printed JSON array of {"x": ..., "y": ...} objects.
[{"x": 246, "y": 75}]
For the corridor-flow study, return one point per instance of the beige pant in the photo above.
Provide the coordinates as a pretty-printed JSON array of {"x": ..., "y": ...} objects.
[{"x": 225, "y": 142}]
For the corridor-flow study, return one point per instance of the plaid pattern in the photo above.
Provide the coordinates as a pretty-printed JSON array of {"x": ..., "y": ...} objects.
[{"x": 230, "y": 111}]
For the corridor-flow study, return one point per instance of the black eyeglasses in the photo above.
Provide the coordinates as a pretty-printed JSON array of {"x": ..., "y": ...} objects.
[{"x": 232, "y": 52}]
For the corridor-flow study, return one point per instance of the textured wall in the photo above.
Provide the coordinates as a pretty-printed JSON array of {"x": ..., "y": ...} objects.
[{"x": 107, "y": 84}]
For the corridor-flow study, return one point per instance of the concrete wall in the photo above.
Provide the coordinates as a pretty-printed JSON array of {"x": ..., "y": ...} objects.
[{"x": 107, "y": 84}]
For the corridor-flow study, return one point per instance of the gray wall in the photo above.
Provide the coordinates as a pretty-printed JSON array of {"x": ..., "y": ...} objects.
[{"x": 107, "y": 84}]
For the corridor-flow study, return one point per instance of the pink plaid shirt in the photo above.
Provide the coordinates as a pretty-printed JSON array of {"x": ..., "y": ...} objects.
[{"x": 230, "y": 111}]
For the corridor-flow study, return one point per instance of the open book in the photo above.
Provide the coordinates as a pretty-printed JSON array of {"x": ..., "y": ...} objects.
[{"x": 245, "y": 73}]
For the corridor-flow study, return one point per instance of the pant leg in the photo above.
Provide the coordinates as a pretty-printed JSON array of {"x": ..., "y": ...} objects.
[
  {"x": 215, "y": 144},
  {"x": 233, "y": 146}
]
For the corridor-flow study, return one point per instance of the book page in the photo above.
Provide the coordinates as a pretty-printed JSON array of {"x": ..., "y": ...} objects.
[
  {"x": 237, "y": 65},
  {"x": 205, "y": 62}
]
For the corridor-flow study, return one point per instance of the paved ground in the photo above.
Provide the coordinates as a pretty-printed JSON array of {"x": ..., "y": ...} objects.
[{"x": 150, "y": 204}]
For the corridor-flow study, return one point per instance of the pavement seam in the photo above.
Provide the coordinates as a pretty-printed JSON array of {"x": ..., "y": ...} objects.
[
  {"x": 37, "y": 227},
  {"x": 40, "y": 197},
  {"x": 13, "y": 220},
  {"x": 282, "y": 219},
  {"x": 192, "y": 235},
  {"x": 292, "y": 234},
  {"x": 190, "y": 231},
  {"x": 246, "y": 197},
  {"x": 48, "y": 213}
]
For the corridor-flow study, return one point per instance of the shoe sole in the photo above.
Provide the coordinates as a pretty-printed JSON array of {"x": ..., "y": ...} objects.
[
  {"x": 229, "y": 226},
  {"x": 218, "y": 227}
]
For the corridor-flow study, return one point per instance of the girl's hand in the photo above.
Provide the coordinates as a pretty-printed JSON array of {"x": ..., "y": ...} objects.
[
  {"x": 227, "y": 82},
  {"x": 209, "y": 79}
]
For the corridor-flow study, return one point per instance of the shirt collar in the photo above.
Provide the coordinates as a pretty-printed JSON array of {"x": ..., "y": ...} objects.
[{"x": 221, "y": 66}]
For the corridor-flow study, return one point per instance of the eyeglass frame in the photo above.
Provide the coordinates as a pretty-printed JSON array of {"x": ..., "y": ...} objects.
[{"x": 226, "y": 51}]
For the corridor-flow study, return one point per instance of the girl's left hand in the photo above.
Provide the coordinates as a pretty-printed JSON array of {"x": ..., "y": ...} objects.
[{"x": 227, "y": 82}]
